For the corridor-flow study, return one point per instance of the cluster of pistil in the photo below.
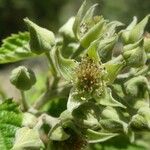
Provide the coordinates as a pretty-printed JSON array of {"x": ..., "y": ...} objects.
[{"x": 89, "y": 75}]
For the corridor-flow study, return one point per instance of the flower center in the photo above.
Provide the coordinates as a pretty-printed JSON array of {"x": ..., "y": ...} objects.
[{"x": 89, "y": 75}]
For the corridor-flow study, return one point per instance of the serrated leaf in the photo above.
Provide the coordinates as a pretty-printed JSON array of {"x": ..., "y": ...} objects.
[
  {"x": 10, "y": 121},
  {"x": 27, "y": 138},
  {"x": 15, "y": 48},
  {"x": 94, "y": 136}
]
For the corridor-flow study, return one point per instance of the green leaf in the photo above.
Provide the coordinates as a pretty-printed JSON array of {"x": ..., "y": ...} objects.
[
  {"x": 95, "y": 137},
  {"x": 15, "y": 48},
  {"x": 65, "y": 66},
  {"x": 27, "y": 138},
  {"x": 10, "y": 121}
]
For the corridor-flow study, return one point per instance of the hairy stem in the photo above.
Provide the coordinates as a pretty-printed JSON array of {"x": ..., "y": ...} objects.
[
  {"x": 24, "y": 104},
  {"x": 54, "y": 72}
]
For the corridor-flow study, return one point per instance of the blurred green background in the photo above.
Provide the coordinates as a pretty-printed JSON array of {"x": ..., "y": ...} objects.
[{"x": 53, "y": 13}]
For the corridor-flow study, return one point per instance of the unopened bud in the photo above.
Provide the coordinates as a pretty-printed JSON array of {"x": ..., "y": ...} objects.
[{"x": 22, "y": 78}]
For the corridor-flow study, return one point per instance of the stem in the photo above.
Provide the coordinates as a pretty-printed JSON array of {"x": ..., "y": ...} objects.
[
  {"x": 54, "y": 72},
  {"x": 59, "y": 92},
  {"x": 25, "y": 106}
]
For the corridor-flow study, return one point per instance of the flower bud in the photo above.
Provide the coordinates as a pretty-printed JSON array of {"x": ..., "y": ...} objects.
[
  {"x": 67, "y": 31},
  {"x": 41, "y": 39},
  {"x": 133, "y": 86},
  {"x": 135, "y": 57},
  {"x": 141, "y": 121},
  {"x": 22, "y": 78}
]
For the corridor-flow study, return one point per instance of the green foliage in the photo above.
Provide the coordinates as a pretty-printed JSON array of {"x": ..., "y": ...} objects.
[
  {"x": 15, "y": 48},
  {"x": 10, "y": 122}
]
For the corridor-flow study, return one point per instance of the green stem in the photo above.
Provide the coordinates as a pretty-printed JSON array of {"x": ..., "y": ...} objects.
[
  {"x": 54, "y": 72},
  {"x": 25, "y": 106}
]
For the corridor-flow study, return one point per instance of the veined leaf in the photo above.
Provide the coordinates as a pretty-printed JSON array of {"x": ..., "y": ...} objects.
[
  {"x": 10, "y": 121},
  {"x": 15, "y": 48}
]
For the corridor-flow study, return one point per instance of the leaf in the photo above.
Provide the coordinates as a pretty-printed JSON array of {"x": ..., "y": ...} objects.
[
  {"x": 15, "y": 48},
  {"x": 10, "y": 121},
  {"x": 27, "y": 138},
  {"x": 65, "y": 66},
  {"x": 95, "y": 137}
]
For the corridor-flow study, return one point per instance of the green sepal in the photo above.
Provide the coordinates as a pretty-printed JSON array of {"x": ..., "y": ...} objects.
[
  {"x": 137, "y": 32},
  {"x": 15, "y": 48},
  {"x": 41, "y": 39},
  {"x": 113, "y": 68},
  {"x": 141, "y": 121},
  {"x": 75, "y": 100},
  {"x": 112, "y": 125},
  {"x": 129, "y": 47},
  {"x": 87, "y": 115},
  {"x": 105, "y": 48},
  {"x": 22, "y": 78},
  {"x": 135, "y": 57},
  {"x": 58, "y": 134},
  {"x": 95, "y": 137},
  {"x": 125, "y": 33},
  {"x": 133, "y": 85},
  {"x": 111, "y": 29},
  {"x": 93, "y": 33},
  {"x": 27, "y": 138},
  {"x": 147, "y": 43},
  {"x": 107, "y": 100},
  {"x": 67, "y": 30},
  {"x": 109, "y": 113},
  {"x": 78, "y": 18},
  {"x": 65, "y": 66},
  {"x": 92, "y": 51}
]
